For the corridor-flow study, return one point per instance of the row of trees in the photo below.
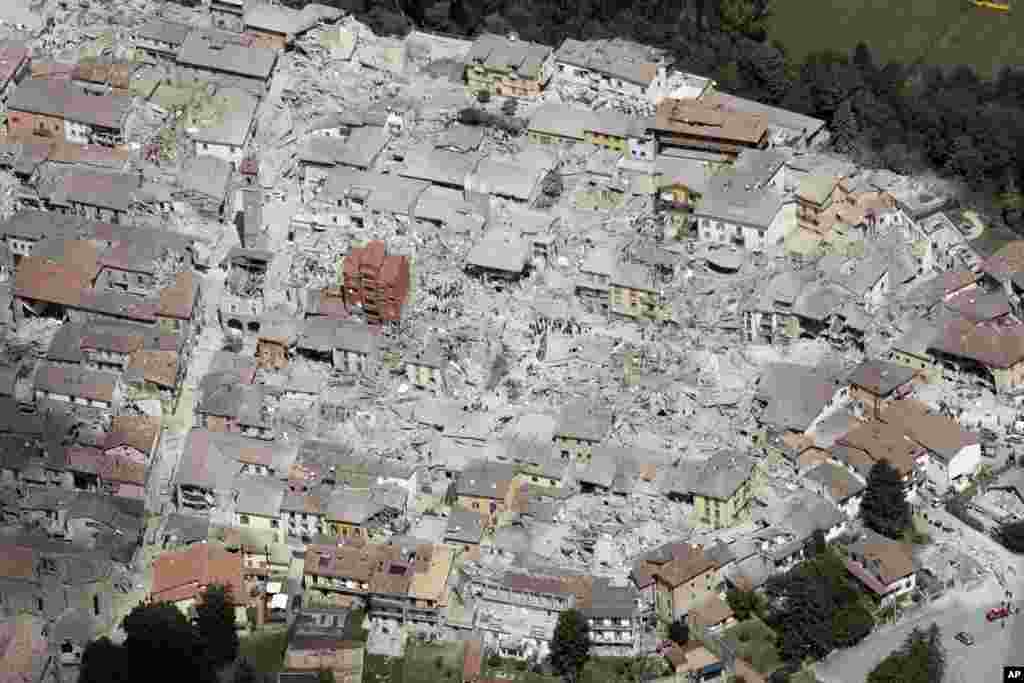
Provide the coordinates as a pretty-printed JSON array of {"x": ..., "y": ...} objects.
[{"x": 159, "y": 638}]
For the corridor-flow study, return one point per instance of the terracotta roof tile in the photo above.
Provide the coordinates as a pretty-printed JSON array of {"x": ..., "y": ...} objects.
[
  {"x": 43, "y": 280},
  {"x": 158, "y": 367},
  {"x": 137, "y": 431},
  {"x": 685, "y": 566},
  {"x": 178, "y": 300},
  {"x": 17, "y": 562},
  {"x": 183, "y": 575}
]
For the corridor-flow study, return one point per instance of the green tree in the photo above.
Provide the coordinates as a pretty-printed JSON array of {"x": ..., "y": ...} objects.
[
  {"x": 160, "y": 636},
  {"x": 814, "y": 608},
  {"x": 746, "y": 17},
  {"x": 570, "y": 646},
  {"x": 215, "y": 626},
  {"x": 679, "y": 632},
  {"x": 845, "y": 128},
  {"x": 884, "y": 507},
  {"x": 744, "y": 604},
  {"x": 103, "y": 661},
  {"x": 325, "y": 676}
]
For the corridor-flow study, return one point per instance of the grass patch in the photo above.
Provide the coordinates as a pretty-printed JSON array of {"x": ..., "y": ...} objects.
[
  {"x": 265, "y": 650},
  {"x": 754, "y": 641},
  {"x": 380, "y": 668},
  {"x": 941, "y": 32},
  {"x": 433, "y": 663}
]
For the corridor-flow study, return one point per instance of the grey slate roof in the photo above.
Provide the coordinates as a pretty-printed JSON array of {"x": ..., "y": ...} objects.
[
  {"x": 796, "y": 394},
  {"x": 584, "y": 421},
  {"x": 564, "y": 120},
  {"x": 363, "y": 146},
  {"x": 504, "y": 178},
  {"x": 207, "y": 175},
  {"x": 618, "y": 58},
  {"x": 61, "y": 98},
  {"x": 163, "y": 31},
  {"x": 483, "y": 479},
  {"x": 880, "y": 377},
  {"x": 439, "y": 166},
  {"x": 499, "y": 251},
  {"x": 722, "y": 474},
  {"x": 464, "y": 526},
  {"x": 523, "y": 57},
  {"x": 727, "y": 198},
  {"x": 224, "y": 51},
  {"x": 259, "y": 495}
]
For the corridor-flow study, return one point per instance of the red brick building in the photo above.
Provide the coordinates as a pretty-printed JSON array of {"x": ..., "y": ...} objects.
[{"x": 376, "y": 281}]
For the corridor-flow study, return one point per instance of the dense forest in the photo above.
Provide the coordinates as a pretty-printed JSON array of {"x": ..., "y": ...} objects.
[{"x": 908, "y": 118}]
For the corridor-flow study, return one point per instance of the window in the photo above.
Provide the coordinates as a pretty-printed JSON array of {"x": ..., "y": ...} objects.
[
  {"x": 274, "y": 524},
  {"x": 243, "y": 519},
  {"x": 96, "y": 605},
  {"x": 39, "y": 604}
]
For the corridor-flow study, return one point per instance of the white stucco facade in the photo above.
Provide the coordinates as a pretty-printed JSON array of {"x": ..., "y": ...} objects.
[{"x": 957, "y": 474}]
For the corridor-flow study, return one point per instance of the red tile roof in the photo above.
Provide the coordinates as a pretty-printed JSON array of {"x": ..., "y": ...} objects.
[
  {"x": 43, "y": 280},
  {"x": 17, "y": 562},
  {"x": 178, "y": 300},
  {"x": 184, "y": 574}
]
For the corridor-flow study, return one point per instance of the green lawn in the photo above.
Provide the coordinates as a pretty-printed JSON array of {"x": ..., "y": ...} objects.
[
  {"x": 944, "y": 32},
  {"x": 265, "y": 650},
  {"x": 754, "y": 641},
  {"x": 435, "y": 663}
]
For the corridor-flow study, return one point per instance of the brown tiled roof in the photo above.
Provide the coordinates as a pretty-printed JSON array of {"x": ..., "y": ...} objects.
[
  {"x": 348, "y": 562},
  {"x": 76, "y": 382},
  {"x": 17, "y": 562},
  {"x": 158, "y": 367},
  {"x": 880, "y": 440},
  {"x": 116, "y": 75},
  {"x": 688, "y": 565},
  {"x": 535, "y": 584},
  {"x": 43, "y": 280},
  {"x": 182, "y": 575},
  {"x": 989, "y": 344},
  {"x": 1006, "y": 262},
  {"x": 92, "y": 155},
  {"x": 137, "y": 431},
  {"x": 178, "y": 300},
  {"x": 895, "y": 559},
  {"x": 644, "y": 568},
  {"x": 115, "y": 342},
  {"x": 940, "y": 434},
  {"x": 699, "y": 119}
]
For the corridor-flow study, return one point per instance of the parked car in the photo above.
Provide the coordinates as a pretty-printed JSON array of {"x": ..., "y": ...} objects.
[
  {"x": 965, "y": 638},
  {"x": 997, "y": 613}
]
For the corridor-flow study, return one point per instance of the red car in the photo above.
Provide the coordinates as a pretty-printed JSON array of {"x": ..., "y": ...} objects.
[{"x": 997, "y": 613}]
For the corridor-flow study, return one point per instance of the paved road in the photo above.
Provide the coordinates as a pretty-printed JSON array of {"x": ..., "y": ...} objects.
[{"x": 982, "y": 662}]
